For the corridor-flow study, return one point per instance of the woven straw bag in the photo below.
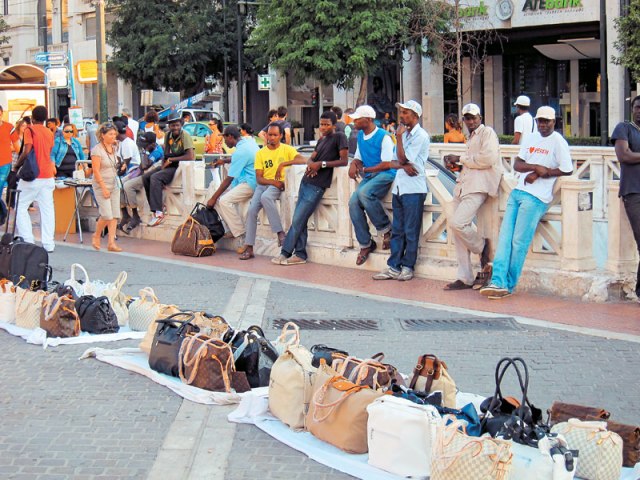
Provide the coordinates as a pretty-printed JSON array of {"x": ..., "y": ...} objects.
[
  {"x": 600, "y": 449},
  {"x": 144, "y": 310},
  {"x": 28, "y": 307},
  {"x": 457, "y": 456},
  {"x": 118, "y": 299},
  {"x": 7, "y": 301}
]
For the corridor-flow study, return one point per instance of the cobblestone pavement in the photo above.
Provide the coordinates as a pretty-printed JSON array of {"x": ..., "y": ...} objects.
[{"x": 65, "y": 418}]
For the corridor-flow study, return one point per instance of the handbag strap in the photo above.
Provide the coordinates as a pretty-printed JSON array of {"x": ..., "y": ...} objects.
[
  {"x": 422, "y": 362},
  {"x": 501, "y": 370},
  {"x": 147, "y": 294},
  {"x": 289, "y": 329},
  {"x": 120, "y": 281},
  {"x": 77, "y": 266},
  {"x": 338, "y": 383}
]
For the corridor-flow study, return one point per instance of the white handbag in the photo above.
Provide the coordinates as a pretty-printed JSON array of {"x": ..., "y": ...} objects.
[
  {"x": 29, "y": 307},
  {"x": 600, "y": 449},
  {"x": 144, "y": 310},
  {"x": 401, "y": 435},
  {"x": 88, "y": 287},
  {"x": 7, "y": 301},
  {"x": 543, "y": 463},
  {"x": 117, "y": 298}
]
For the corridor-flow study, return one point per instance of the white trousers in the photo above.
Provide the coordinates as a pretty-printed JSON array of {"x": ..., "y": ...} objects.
[
  {"x": 41, "y": 191},
  {"x": 229, "y": 207}
]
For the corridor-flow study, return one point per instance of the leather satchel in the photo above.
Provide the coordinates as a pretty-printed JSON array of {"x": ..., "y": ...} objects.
[
  {"x": 193, "y": 240},
  {"x": 165, "y": 349},
  {"x": 328, "y": 354},
  {"x": 630, "y": 435},
  {"x": 370, "y": 372},
  {"x": 96, "y": 315},
  {"x": 430, "y": 375},
  {"x": 164, "y": 311},
  {"x": 253, "y": 354},
  {"x": 58, "y": 316},
  {"x": 562, "y": 412}
]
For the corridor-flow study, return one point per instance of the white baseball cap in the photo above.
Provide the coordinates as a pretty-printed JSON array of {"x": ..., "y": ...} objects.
[
  {"x": 471, "y": 109},
  {"x": 523, "y": 101},
  {"x": 411, "y": 105},
  {"x": 547, "y": 113},
  {"x": 363, "y": 111}
]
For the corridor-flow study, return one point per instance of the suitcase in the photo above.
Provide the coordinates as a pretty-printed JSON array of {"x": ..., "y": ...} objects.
[{"x": 23, "y": 263}]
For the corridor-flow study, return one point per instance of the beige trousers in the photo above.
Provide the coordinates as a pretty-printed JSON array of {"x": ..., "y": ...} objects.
[
  {"x": 228, "y": 206},
  {"x": 465, "y": 236}
]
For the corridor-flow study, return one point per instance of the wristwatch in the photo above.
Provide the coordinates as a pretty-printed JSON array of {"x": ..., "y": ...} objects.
[{"x": 324, "y": 164}]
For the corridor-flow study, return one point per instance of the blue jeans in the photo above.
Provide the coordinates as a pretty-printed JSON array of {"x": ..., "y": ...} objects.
[
  {"x": 309, "y": 197},
  {"x": 4, "y": 173},
  {"x": 368, "y": 198},
  {"x": 519, "y": 224},
  {"x": 406, "y": 229}
]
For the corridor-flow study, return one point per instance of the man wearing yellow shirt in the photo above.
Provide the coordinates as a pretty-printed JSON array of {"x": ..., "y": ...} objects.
[{"x": 269, "y": 165}]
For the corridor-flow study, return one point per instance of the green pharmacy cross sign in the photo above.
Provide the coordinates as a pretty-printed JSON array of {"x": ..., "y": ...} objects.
[{"x": 264, "y": 82}]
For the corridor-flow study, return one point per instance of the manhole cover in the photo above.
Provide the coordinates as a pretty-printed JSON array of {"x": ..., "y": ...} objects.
[
  {"x": 500, "y": 323},
  {"x": 324, "y": 324}
]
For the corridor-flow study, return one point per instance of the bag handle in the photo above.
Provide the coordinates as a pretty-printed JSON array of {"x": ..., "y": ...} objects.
[
  {"x": 120, "y": 280},
  {"x": 501, "y": 369},
  {"x": 422, "y": 361},
  {"x": 7, "y": 285},
  {"x": 147, "y": 293},
  {"x": 171, "y": 320},
  {"x": 289, "y": 329},
  {"x": 338, "y": 383},
  {"x": 360, "y": 372},
  {"x": 77, "y": 266}
]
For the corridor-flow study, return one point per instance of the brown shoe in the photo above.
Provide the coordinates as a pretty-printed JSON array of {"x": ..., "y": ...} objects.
[
  {"x": 114, "y": 248},
  {"x": 365, "y": 252},
  {"x": 485, "y": 255},
  {"x": 457, "y": 285}
]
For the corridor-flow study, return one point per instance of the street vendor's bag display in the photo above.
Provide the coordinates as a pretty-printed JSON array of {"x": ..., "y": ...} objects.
[
  {"x": 165, "y": 349},
  {"x": 600, "y": 450},
  {"x": 59, "y": 317},
  {"x": 86, "y": 286},
  {"x": 290, "y": 386},
  {"x": 370, "y": 372},
  {"x": 401, "y": 435},
  {"x": 164, "y": 311},
  {"x": 550, "y": 460},
  {"x": 457, "y": 456},
  {"x": 7, "y": 301},
  {"x": 29, "y": 307},
  {"x": 192, "y": 239},
  {"x": 96, "y": 315},
  {"x": 207, "y": 363},
  {"x": 431, "y": 375}
]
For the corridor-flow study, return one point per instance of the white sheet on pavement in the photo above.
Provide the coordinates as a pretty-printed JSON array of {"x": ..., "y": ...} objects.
[
  {"x": 39, "y": 337},
  {"x": 135, "y": 360}
]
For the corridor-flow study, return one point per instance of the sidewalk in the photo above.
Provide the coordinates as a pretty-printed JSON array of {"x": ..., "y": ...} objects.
[{"x": 615, "y": 317}]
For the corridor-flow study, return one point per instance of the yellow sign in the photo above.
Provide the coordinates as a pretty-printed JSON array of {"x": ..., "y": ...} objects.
[{"x": 87, "y": 71}]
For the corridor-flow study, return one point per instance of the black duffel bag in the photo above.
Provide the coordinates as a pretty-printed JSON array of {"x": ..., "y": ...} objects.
[
  {"x": 96, "y": 315},
  {"x": 165, "y": 348},
  {"x": 209, "y": 218},
  {"x": 327, "y": 353},
  {"x": 253, "y": 354}
]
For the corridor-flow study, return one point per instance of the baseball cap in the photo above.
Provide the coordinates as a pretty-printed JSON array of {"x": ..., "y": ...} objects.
[
  {"x": 411, "y": 105},
  {"x": 148, "y": 137},
  {"x": 547, "y": 113},
  {"x": 523, "y": 101},
  {"x": 363, "y": 111},
  {"x": 471, "y": 109}
]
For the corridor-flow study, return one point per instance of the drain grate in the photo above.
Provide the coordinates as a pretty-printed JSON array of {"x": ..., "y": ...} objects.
[
  {"x": 498, "y": 323},
  {"x": 324, "y": 324}
]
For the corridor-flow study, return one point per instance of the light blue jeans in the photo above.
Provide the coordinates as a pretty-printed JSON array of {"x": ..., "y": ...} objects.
[
  {"x": 368, "y": 198},
  {"x": 521, "y": 219},
  {"x": 4, "y": 173}
]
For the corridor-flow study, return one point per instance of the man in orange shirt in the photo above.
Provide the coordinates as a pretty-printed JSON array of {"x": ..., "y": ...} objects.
[
  {"x": 39, "y": 138},
  {"x": 5, "y": 150}
]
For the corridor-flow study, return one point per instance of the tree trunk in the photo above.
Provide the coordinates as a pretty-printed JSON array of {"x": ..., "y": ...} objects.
[
  {"x": 459, "y": 79},
  {"x": 362, "y": 95}
]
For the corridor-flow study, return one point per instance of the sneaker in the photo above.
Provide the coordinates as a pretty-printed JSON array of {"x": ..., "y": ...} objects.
[
  {"x": 279, "y": 260},
  {"x": 493, "y": 290},
  {"x": 387, "y": 274},
  {"x": 156, "y": 220},
  {"x": 405, "y": 275},
  {"x": 500, "y": 295}
]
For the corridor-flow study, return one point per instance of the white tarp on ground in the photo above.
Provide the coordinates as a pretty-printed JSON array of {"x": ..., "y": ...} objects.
[
  {"x": 135, "y": 360},
  {"x": 39, "y": 337}
]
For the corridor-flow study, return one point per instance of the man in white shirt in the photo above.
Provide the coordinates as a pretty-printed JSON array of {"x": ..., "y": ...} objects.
[
  {"x": 372, "y": 162},
  {"x": 132, "y": 124},
  {"x": 409, "y": 191},
  {"x": 524, "y": 124},
  {"x": 541, "y": 160}
]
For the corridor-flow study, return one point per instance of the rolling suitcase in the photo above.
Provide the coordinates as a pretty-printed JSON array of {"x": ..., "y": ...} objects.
[{"x": 23, "y": 263}]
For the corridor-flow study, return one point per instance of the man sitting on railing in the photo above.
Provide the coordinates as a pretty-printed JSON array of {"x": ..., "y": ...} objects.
[{"x": 544, "y": 157}]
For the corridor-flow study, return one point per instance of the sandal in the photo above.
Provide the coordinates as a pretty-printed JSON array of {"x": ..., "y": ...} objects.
[
  {"x": 247, "y": 255},
  {"x": 365, "y": 252},
  {"x": 386, "y": 241}
]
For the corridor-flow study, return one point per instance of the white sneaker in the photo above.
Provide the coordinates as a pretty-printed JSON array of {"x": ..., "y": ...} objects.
[
  {"x": 387, "y": 274},
  {"x": 405, "y": 275},
  {"x": 156, "y": 220}
]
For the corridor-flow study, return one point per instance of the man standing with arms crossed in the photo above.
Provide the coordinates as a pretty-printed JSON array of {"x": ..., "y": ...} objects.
[{"x": 479, "y": 179}]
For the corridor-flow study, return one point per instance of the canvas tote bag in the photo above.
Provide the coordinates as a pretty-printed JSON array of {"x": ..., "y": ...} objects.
[{"x": 28, "y": 307}]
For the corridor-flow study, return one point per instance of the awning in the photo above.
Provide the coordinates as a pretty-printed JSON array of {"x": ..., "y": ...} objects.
[
  {"x": 578, "y": 49},
  {"x": 21, "y": 74}
]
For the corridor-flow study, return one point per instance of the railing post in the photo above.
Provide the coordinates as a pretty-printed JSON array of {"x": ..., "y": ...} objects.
[
  {"x": 577, "y": 224},
  {"x": 188, "y": 186},
  {"x": 622, "y": 250}
]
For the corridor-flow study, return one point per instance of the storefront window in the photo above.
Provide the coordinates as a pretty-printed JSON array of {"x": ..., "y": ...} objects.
[{"x": 64, "y": 19}]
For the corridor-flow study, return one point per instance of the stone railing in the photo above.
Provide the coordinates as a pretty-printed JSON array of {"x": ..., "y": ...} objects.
[{"x": 561, "y": 259}]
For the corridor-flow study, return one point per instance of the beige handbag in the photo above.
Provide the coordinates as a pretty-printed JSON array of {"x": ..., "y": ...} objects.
[
  {"x": 144, "y": 310},
  {"x": 7, "y": 301},
  {"x": 338, "y": 412},
  {"x": 457, "y": 456},
  {"x": 290, "y": 386},
  {"x": 431, "y": 375},
  {"x": 600, "y": 450},
  {"x": 118, "y": 299},
  {"x": 28, "y": 307},
  {"x": 164, "y": 311},
  {"x": 290, "y": 335},
  {"x": 214, "y": 327}
]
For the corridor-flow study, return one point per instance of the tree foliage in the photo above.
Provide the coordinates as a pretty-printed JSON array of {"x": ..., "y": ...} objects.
[
  {"x": 175, "y": 44},
  {"x": 628, "y": 42},
  {"x": 4, "y": 28}
]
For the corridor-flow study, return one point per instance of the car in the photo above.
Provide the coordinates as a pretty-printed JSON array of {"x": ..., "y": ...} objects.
[{"x": 200, "y": 130}]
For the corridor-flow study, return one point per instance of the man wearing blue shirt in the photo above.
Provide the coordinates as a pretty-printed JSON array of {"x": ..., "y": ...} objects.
[
  {"x": 240, "y": 181},
  {"x": 409, "y": 191}
]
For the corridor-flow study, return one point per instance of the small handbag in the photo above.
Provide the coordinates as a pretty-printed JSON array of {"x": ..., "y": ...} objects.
[
  {"x": 328, "y": 354},
  {"x": 7, "y": 301},
  {"x": 253, "y": 354},
  {"x": 29, "y": 307},
  {"x": 600, "y": 450},
  {"x": 370, "y": 372},
  {"x": 430, "y": 375},
  {"x": 144, "y": 310},
  {"x": 165, "y": 349},
  {"x": 96, "y": 315},
  {"x": 59, "y": 317},
  {"x": 457, "y": 456},
  {"x": 118, "y": 299},
  {"x": 74, "y": 281}
]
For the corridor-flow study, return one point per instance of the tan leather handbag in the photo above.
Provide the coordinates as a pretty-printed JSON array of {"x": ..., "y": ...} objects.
[
  {"x": 370, "y": 372},
  {"x": 58, "y": 316},
  {"x": 338, "y": 413},
  {"x": 28, "y": 307},
  {"x": 430, "y": 375},
  {"x": 206, "y": 363}
]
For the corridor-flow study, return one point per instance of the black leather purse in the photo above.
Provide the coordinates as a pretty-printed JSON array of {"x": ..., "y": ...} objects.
[
  {"x": 253, "y": 354},
  {"x": 323, "y": 352},
  {"x": 165, "y": 348},
  {"x": 96, "y": 315},
  {"x": 209, "y": 218}
]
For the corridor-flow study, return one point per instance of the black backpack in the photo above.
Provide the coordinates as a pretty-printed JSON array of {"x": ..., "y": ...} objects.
[{"x": 96, "y": 315}]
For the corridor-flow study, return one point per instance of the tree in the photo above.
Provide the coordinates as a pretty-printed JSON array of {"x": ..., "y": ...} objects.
[
  {"x": 175, "y": 45},
  {"x": 4, "y": 28},
  {"x": 628, "y": 42}
]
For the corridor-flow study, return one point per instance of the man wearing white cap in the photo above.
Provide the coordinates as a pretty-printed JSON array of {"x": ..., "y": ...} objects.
[
  {"x": 372, "y": 162},
  {"x": 479, "y": 178},
  {"x": 541, "y": 160},
  {"x": 409, "y": 193},
  {"x": 524, "y": 124}
]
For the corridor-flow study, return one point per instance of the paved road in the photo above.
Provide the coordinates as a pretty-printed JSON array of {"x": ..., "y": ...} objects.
[{"x": 65, "y": 418}]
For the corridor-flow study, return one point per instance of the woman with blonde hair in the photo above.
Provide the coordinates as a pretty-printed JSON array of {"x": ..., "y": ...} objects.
[{"x": 106, "y": 184}]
